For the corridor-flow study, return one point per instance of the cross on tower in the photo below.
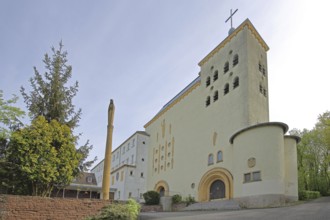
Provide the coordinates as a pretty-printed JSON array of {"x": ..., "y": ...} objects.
[{"x": 231, "y": 17}]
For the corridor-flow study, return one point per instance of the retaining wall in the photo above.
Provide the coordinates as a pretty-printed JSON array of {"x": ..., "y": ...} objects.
[{"x": 39, "y": 208}]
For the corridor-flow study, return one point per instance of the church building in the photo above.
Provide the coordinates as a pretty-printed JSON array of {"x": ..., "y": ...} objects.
[{"x": 214, "y": 139}]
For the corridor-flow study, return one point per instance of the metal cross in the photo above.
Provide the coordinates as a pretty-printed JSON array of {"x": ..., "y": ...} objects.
[{"x": 231, "y": 17}]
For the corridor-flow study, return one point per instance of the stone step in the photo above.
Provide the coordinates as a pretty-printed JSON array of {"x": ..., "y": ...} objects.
[{"x": 214, "y": 205}]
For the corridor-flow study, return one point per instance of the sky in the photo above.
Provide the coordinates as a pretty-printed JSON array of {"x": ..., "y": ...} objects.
[{"x": 142, "y": 53}]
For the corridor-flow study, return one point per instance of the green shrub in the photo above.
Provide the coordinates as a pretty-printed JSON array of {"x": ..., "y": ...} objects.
[
  {"x": 151, "y": 198},
  {"x": 306, "y": 195},
  {"x": 189, "y": 200},
  {"x": 176, "y": 198},
  {"x": 116, "y": 211}
]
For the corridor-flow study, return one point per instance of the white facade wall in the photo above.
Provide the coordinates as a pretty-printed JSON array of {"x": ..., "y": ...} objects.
[
  {"x": 98, "y": 171},
  {"x": 128, "y": 168}
]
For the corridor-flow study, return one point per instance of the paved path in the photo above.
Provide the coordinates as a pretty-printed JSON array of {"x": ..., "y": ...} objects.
[{"x": 313, "y": 210}]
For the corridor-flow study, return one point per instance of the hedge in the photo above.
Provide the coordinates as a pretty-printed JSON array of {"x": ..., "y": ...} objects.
[
  {"x": 151, "y": 198},
  {"x": 116, "y": 211},
  {"x": 306, "y": 195}
]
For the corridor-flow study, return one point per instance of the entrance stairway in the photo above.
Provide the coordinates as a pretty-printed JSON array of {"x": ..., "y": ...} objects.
[{"x": 214, "y": 205}]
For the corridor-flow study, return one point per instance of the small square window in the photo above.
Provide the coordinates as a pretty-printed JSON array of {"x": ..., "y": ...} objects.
[
  {"x": 247, "y": 177},
  {"x": 256, "y": 176}
]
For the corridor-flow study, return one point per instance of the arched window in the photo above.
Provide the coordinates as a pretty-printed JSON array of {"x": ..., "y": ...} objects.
[
  {"x": 235, "y": 60},
  {"x": 210, "y": 159},
  {"x": 226, "y": 89},
  {"x": 263, "y": 71},
  {"x": 226, "y": 67},
  {"x": 208, "y": 101},
  {"x": 236, "y": 82},
  {"x": 219, "y": 156},
  {"x": 215, "y": 75},
  {"x": 215, "y": 96},
  {"x": 208, "y": 81}
]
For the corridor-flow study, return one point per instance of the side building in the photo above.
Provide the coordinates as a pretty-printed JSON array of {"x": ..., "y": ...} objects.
[
  {"x": 128, "y": 168},
  {"x": 84, "y": 186}
]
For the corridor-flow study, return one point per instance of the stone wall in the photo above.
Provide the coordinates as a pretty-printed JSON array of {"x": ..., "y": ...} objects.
[{"x": 39, "y": 208}]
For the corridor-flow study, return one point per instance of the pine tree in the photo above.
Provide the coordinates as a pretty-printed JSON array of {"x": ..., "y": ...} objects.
[{"x": 52, "y": 98}]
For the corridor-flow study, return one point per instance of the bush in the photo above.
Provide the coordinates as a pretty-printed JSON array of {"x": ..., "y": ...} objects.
[
  {"x": 128, "y": 211},
  {"x": 189, "y": 200},
  {"x": 151, "y": 198},
  {"x": 176, "y": 199},
  {"x": 307, "y": 195}
]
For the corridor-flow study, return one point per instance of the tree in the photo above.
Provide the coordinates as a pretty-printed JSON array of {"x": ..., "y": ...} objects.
[
  {"x": 9, "y": 115},
  {"x": 52, "y": 98},
  {"x": 314, "y": 156},
  {"x": 9, "y": 121},
  {"x": 44, "y": 155}
]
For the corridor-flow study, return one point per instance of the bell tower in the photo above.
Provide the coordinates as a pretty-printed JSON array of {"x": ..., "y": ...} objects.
[{"x": 234, "y": 78}]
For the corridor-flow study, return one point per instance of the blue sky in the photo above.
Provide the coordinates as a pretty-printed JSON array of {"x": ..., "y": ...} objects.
[{"x": 142, "y": 53}]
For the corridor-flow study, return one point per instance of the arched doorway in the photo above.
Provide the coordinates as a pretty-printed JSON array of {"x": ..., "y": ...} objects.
[
  {"x": 216, "y": 183},
  {"x": 217, "y": 190},
  {"x": 161, "y": 191},
  {"x": 162, "y": 187}
]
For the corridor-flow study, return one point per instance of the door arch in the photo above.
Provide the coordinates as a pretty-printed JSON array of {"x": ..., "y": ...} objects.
[
  {"x": 162, "y": 187},
  {"x": 211, "y": 177}
]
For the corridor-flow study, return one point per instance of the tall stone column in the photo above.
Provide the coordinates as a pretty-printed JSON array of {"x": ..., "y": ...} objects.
[{"x": 108, "y": 152}]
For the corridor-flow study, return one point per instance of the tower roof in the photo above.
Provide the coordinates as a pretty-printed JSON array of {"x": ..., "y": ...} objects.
[{"x": 247, "y": 23}]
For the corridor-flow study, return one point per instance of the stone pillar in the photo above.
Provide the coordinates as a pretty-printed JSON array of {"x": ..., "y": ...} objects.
[
  {"x": 108, "y": 152},
  {"x": 166, "y": 202}
]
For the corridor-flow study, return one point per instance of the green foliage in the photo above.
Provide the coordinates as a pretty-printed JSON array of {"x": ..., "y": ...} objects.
[
  {"x": 176, "y": 198},
  {"x": 151, "y": 198},
  {"x": 9, "y": 121},
  {"x": 44, "y": 155},
  {"x": 52, "y": 98},
  {"x": 128, "y": 211},
  {"x": 9, "y": 115},
  {"x": 190, "y": 200},
  {"x": 313, "y": 154},
  {"x": 307, "y": 195}
]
